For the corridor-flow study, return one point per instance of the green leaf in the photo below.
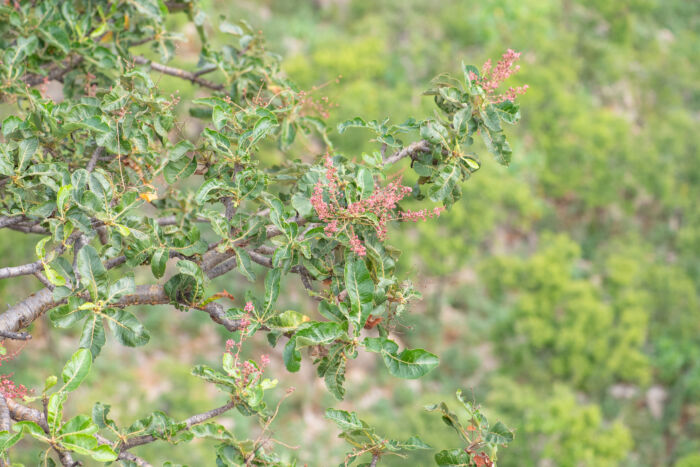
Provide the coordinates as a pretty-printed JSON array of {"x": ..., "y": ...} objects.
[
  {"x": 434, "y": 132},
  {"x": 291, "y": 356},
  {"x": 56, "y": 36},
  {"x": 62, "y": 197},
  {"x": 180, "y": 149},
  {"x": 219, "y": 116},
  {"x": 272, "y": 290},
  {"x": 360, "y": 287},
  {"x": 79, "y": 424},
  {"x": 8, "y": 440},
  {"x": 80, "y": 443},
  {"x": 346, "y": 421},
  {"x": 93, "y": 335},
  {"x": 211, "y": 430},
  {"x": 103, "y": 453},
  {"x": 123, "y": 286},
  {"x": 411, "y": 444},
  {"x": 68, "y": 314},
  {"x": 76, "y": 370},
  {"x": 461, "y": 119},
  {"x": 54, "y": 411},
  {"x": 262, "y": 128},
  {"x": 27, "y": 148},
  {"x": 53, "y": 276},
  {"x": 32, "y": 428},
  {"x": 287, "y": 321},
  {"x": 232, "y": 29},
  {"x": 49, "y": 382},
  {"x": 453, "y": 458},
  {"x": 508, "y": 111},
  {"x": 203, "y": 194},
  {"x": 158, "y": 262},
  {"x": 356, "y": 122},
  {"x": 490, "y": 117},
  {"x": 126, "y": 328},
  {"x": 245, "y": 266},
  {"x": 288, "y": 134},
  {"x": 499, "y": 434},
  {"x": 181, "y": 168},
  {"x": 445, "y": 186},
  {"x": 319, "y": 334},
  {"x": 334, "y": 377},
  {"x": 409, "y": 364},
  {"x": 10, "y": 124},
  {"x": 90, "y": 268}
]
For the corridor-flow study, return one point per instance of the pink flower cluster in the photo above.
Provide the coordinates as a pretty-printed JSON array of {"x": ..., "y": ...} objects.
[
  {"x": 492, "y": 77},
  {"x": 248, "y": 371},
  {"x": 8, "y": 388},
  {"x": 381, "y": 204}
]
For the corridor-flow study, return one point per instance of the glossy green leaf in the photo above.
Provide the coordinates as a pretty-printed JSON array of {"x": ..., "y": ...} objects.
[
  {"x": 360, "y": 287},
  {"x": 76, "y": 370},
  {"x": 319, "y": 334},
  {"x": 126, "y": 327},
  {"x": 93, "y": 335}
]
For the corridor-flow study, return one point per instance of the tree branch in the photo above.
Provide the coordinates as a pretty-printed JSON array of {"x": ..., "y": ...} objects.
[
  {"x": 193, "y": 420},
  {"x": 19, "y": 336},
  {"x": 178, "y": 73},
  {"x": 55, "y": 73},
  {"x": 93, "y": 160},
  {"x": 411, "y": 150},
  {"x": 22, "y": 270}
]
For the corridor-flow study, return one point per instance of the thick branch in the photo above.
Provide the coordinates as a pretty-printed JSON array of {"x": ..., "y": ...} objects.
[
  {"x": 6, "y": 221},
  {"x": 178, "y": 73}
]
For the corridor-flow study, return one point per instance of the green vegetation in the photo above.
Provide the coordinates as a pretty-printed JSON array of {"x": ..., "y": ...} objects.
[{"x": 563, "y": 290}]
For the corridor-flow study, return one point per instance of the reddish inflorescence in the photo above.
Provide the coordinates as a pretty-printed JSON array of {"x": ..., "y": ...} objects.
[
  {"x": 382, "y": 204},
  {"x": 248, "y": 372},
  {"x": 492, "y": 77},
  {"x": 9, "y": 388}
]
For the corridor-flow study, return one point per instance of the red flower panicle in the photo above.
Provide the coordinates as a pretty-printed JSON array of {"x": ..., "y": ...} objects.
[
  {"x": 9, "y": 388},
  {"x": 492, "y": 77},
  {"x": 247, "y": 372},
  {"x": 382, "y": 204}
]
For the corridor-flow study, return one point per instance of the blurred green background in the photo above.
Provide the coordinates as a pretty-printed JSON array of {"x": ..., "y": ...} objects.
[{"x": 563, "y": 291}]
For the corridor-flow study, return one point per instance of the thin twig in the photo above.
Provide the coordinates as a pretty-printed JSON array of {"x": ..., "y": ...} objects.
[
  {"x": 189, "y": 423},
  {"x": 168, "y": 70},
  {"x": 411, "y": 150},
  {"x": 93, "y": 160},
  {"x": 18, "y": 336}
]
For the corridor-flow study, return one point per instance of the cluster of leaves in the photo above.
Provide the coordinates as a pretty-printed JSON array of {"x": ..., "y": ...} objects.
[
  {"x": 482, "y": 440},
  {"x": 365, "y": 440},
  {"x": 107, "y": 179}
]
